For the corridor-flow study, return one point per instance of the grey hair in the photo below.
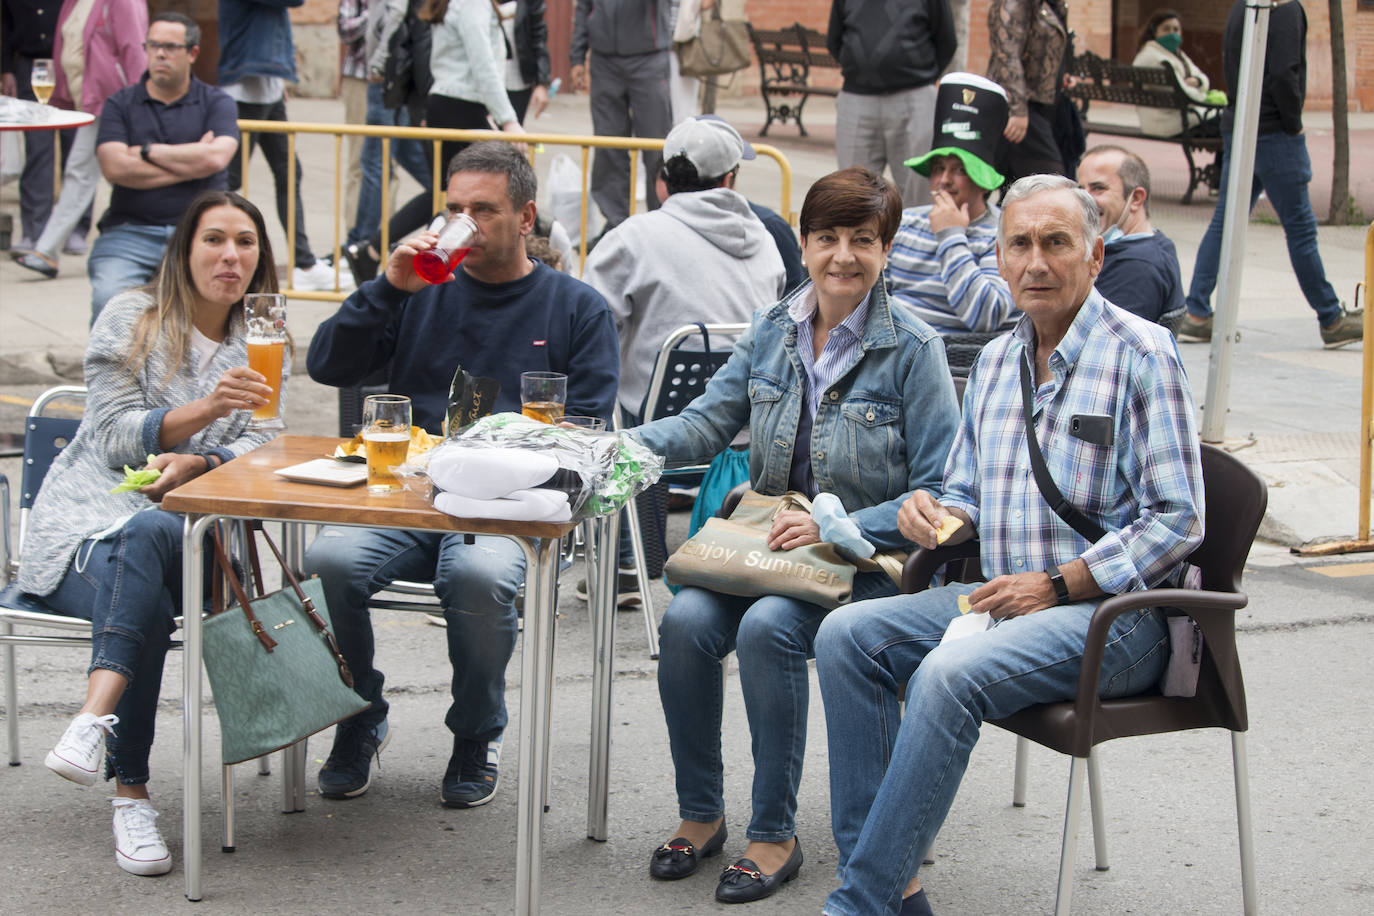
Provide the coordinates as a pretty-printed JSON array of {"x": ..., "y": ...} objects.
[
  {"x": 1036, "y": 184},
  {"x": 498, "y": 157}
]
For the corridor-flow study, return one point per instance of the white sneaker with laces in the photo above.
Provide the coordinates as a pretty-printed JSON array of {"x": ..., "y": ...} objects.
[
  {"x": 319, "y": 278},
  {"x": 139, "y": 847},
  {"x": 80, "y": 753}
]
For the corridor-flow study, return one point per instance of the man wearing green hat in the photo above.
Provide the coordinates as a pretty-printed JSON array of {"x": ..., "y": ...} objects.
[{"x": 943, "y": 264}]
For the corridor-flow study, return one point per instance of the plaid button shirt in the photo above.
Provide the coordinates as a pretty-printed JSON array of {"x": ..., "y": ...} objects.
[{"x": 1144, "y": 487}]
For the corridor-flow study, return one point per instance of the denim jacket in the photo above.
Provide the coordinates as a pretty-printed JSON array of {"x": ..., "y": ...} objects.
[
  {"x": 255, "y": 40},
  {"x": 883, "y": 429}
]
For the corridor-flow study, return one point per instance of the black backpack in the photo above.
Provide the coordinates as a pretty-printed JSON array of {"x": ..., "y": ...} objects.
[{"x": 407, "y": 74}]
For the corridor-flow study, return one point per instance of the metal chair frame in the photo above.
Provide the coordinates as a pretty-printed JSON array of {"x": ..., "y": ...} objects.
[{"x": 679, "y": 377}]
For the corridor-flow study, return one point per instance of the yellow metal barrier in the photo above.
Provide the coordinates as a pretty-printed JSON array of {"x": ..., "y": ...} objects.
[
  {"x": 437, "y": 137},
  {"x": 1362, "y": 542}
]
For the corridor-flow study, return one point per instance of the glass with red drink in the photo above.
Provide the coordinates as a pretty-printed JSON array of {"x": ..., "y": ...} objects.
[{"x": 455, "y": 240}]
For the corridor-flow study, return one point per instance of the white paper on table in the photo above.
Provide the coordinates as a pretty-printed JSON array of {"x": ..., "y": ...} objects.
[{"x": 969, "y": 624}]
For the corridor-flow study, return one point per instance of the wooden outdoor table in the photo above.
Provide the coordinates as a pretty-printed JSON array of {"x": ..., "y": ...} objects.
[{"x": 247, "y": 488}]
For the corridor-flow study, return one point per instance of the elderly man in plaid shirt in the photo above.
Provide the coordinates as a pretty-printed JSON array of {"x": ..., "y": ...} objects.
[{"x": 1130, "y": 465}]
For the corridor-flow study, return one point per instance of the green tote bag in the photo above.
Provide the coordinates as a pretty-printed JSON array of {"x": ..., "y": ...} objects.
[{"x": 275, "y": 669}]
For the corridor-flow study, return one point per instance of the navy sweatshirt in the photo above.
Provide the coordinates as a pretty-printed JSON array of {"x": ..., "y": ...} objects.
[{"x": 545, "y": 321}]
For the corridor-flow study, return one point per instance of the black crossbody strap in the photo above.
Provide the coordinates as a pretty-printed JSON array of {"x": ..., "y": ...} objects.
[{"x": 1061, "y": 506}]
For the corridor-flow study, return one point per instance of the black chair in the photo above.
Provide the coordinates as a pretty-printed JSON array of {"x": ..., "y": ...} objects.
[
  {"x": 679, "y": 376},
  {"x": 1236, "y": 501}
]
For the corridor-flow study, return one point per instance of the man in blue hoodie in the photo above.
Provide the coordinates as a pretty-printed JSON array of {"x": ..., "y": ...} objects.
[{"x": 257, "y": 58}]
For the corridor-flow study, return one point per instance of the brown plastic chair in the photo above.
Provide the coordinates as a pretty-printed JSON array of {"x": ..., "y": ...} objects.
[{"x": 1235, "y": 502}]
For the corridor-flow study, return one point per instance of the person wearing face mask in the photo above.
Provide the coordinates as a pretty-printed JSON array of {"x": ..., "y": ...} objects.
[
  {"x": 943, "y": 264},
  {"x": 1140, "y": 265},
  {"x": 1161, "y": 43}
]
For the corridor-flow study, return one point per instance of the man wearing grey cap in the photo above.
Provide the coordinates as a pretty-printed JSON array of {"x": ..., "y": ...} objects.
[{"x": 651, "y": 267}]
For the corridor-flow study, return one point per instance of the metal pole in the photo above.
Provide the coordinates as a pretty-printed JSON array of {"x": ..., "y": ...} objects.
[
  {"x": 1367, "y": 396},
  {"x": 1240, "y": 153}
]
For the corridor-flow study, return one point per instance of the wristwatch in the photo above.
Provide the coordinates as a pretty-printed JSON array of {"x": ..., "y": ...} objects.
[
  {"x": 147, "y": 148},
  {"x": 1061, "y": 588}
]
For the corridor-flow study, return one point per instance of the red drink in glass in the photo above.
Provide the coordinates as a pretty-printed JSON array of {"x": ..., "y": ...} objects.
[{"x": 455, "y": 241}]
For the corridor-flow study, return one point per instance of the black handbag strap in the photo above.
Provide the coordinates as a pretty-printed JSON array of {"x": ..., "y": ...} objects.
[{"x": 1061, "y": 506}]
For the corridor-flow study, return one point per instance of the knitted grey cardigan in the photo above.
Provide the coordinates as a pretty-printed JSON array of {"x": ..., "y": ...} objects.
[{"x": 121, "y": 426}]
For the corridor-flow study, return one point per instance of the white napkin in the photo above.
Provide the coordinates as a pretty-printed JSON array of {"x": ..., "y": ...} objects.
[
  {"x": 486, "y": 473},
  {"x": 969, "y": 624},
  {"x": 520, "y": 506}
]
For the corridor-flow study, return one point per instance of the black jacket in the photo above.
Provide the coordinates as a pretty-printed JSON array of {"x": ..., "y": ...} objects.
[
  {"x": 532, "y": 42},
  {"x": 1285, "y": 68},
  {"x": 885, "y": 47}
]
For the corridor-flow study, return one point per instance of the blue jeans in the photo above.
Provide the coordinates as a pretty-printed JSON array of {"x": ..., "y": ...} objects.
[
  {"x": 893, "y": 778},
  {"x": 409, "y": 154},
  {"x": 1282, "y": 170},
  {"x": 123, "y": 257},
  {"x": 476, "y": 583},
  {"x": 774, "y": 637},
  {"x": 129, "y": 587}
]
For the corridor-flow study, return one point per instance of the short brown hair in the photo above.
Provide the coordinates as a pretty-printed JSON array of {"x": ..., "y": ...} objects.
[{"x": 851, "y": 197}]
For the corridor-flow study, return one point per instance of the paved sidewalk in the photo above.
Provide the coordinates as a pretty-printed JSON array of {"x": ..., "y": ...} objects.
[{"x": 1294, "y": 406}]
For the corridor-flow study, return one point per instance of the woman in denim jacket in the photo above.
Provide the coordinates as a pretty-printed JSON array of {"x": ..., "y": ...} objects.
[{"x": 844, "y": 392}]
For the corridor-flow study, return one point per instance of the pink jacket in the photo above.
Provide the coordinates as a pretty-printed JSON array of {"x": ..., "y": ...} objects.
[{"x": 113, "y": 48}]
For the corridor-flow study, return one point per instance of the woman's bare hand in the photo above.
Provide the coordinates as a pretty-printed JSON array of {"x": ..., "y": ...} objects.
[
  {"x": 176, "y": 470},
  {"x": 239, "y": 388},
  {"x": 793, "y": 528}
]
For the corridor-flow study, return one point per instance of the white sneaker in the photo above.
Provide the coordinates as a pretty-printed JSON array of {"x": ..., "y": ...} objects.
[
  {"x": 81, "y": 752},
  {"x": 320, "y": 278},
  {"x": 139, "y": 847}
]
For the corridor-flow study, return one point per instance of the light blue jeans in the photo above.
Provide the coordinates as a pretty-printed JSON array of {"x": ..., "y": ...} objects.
[
  {"x": 893, "y": 778},
  {"x": 123, "y": 257},
  {"x": 476, "y": 583},
  {"x": 1283, "y": 171},
  {"x": 129, "y": 587},
  {"x": 774, "y": 637}
]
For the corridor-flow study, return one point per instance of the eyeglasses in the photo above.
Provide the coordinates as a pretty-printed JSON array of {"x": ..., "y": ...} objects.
[{"x": 166, "y": 47}]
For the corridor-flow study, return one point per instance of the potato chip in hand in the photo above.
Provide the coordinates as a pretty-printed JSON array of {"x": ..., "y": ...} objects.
[
  {"x": 964, "y": 604},
  {"x": 951, "y": 524}
]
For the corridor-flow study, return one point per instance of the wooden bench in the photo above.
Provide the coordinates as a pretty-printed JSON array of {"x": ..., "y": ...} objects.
[
  {"x": 786, "y": 59},
  {"x": 1102, "y": 80}
]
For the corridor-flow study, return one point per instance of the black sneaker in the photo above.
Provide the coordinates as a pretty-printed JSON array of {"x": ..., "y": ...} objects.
[
  {"x": 472, "y": 774},
  {"x": 1191, "y": 330},
  {"x": 348, "y": 771}
]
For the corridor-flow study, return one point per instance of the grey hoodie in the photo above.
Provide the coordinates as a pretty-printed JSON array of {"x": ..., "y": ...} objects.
[{"x": 702, "y": 256}]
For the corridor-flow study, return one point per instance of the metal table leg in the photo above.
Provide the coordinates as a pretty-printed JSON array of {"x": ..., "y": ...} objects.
[
  {"x": 536, "y": 664},
  {"x": 192, "y": 578},
  {"x": 602, "y": 599}
]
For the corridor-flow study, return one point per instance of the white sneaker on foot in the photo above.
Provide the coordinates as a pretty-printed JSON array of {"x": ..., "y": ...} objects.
[
  {"x": 139, "y": 847},
  {"x": 319, "y": 278},
  {"x": 80, "y": 753}
]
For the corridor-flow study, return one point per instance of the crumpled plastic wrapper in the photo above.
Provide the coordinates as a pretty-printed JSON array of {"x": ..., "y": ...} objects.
[{"x": 600, "y": 471}]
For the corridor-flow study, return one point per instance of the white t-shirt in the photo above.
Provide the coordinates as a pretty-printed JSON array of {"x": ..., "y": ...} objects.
[
  {"x": 204, "y": 349},
  {"x": 256, "y": 90},
  {"x": 514, "y": 80}
]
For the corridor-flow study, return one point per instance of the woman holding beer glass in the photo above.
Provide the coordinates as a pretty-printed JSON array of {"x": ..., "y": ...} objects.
[
  {"x": 855, "y": 398},
  {"x": 169, "y": 387}
]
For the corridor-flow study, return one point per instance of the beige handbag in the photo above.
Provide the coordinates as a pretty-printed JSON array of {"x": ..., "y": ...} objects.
[
  {"x": 721, "y": 47},
  {"x": 731, "y": 556}
]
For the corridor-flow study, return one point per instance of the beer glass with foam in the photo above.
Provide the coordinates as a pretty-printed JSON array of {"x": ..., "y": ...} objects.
[
  {"x": 266, "y": 314},
  {"x": 386, "y": 434}
]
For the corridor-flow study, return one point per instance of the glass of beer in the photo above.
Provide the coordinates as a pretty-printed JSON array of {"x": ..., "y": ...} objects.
[
  {"x": 455, "y": 241},
  {"x": 42, "y": 78},
  {"x": 386, "y": 433},
  {"x": 542, "y": 395},
  {"x": 266, "y": 314}
]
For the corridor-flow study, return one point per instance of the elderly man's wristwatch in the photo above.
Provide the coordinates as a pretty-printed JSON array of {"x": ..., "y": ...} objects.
[{"x": 1061, "y": 588}]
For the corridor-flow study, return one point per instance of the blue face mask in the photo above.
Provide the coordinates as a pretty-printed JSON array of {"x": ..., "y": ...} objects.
[
  {"x": 1113, "y": 234},
  {"x": 1171, "y": 41}
]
